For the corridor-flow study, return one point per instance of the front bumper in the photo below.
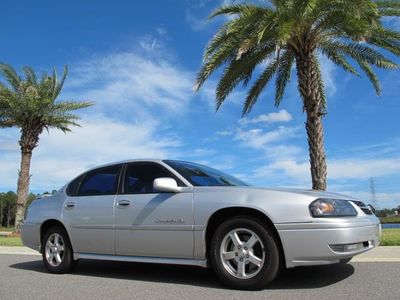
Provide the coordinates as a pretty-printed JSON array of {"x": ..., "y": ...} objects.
[{"x": 320, "y": 244}]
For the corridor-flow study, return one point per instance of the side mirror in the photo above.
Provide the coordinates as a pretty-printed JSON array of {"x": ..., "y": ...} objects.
[
  {"x": 166, "y": 184},
  {"x": 371, "y": 208}
]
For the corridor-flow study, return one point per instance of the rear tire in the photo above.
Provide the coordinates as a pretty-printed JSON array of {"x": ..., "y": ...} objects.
[
  {"x": 244, "y": 253},
  {"x": 57, "y": 253}
]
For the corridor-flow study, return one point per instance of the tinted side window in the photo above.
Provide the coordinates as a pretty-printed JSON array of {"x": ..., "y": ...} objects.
[
  {"x": 103, "y": 181},
  {"x": 72, "y": 188},
  {"x": 139, "y": 177}
]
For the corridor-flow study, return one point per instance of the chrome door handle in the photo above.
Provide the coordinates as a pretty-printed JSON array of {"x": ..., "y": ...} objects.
[
  {"x": 69, "y": 205},
  {"x": 123, "y": 203}
]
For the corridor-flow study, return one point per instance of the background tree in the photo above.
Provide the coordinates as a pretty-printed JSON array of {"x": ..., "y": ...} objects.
[
  {"x": 284, "y": 34},
  {"x": 8, "y": 207},
  {"x": 30, "y": 104}
]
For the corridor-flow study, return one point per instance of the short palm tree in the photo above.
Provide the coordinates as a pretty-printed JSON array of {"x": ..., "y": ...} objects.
[
  {"x": 284, "y": 35},
  {"x": 30, "y": 104}
]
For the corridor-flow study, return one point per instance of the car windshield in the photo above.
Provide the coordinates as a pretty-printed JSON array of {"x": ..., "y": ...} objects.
[{"x": 199, "y": 175}]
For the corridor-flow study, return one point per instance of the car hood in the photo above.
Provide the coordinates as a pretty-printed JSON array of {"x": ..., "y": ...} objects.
[{"x": 305, "y": 192}]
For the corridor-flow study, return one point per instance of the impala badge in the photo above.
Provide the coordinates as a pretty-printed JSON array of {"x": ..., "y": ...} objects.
[{"x": 166, "y": 221}]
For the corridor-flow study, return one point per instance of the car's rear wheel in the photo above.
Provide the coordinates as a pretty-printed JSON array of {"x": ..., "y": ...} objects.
[
  {"x": 244, "y": 253},
  {"x": 57, "y": 252}
]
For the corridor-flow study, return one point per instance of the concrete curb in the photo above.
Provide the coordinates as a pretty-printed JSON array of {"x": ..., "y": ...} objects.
[
  {"x": 18, "y": 251},
  {"x": 379, "y": 254}
]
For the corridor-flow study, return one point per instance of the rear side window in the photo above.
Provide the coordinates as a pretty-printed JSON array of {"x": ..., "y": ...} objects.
[
  {"x": 103, "y": 181},
  {"x": 72, "y": 188}
]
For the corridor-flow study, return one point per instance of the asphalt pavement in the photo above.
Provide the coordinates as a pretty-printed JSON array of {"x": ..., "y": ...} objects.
[{"x": 24, "y": 277}]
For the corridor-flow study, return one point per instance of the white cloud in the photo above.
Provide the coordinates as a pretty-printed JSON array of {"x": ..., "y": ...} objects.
[
  {"x": 9, "y": 140},
  {"x": 130, "y": 83},
  {"x": 60, "y": 156},
  {"x": 196, "y": 23},
  {"x": 258, "y": 138},
  {"x": 288, "y": 168},
  {"x": 224, "y": 132},
  {"x": 203, "y": 152},
  {"x": 274, "y": 117},
  {"x": 343, "y": 169},
  {"x": 362, "y": 168},
  {"x": 136, "y": 96},
  {"x": 328, "y": 70},
  {"x": 161, "y": 31}
]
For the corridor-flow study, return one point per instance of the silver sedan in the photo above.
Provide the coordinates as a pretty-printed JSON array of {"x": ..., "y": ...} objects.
[{"x": 175, "y": 212}]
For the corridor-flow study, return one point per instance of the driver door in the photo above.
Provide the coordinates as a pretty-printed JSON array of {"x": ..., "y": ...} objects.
[{"x": 149, "y": 222}]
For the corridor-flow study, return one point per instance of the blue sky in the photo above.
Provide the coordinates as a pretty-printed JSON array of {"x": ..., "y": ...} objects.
[{"x": 138, "y": 61}]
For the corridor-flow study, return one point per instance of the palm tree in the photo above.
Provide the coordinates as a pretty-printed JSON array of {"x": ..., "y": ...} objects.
[
  {"x": 30, "y": 104},
  {"x": 284, "y": 34}
]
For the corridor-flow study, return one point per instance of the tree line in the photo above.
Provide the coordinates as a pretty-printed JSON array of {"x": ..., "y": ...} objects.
[{"x": 8, "y": 207}]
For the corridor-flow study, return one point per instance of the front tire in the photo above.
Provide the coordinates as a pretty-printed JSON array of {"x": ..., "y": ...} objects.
[
  {"x": 57, "y": 252},
  {"x": 244, "y": 253}
]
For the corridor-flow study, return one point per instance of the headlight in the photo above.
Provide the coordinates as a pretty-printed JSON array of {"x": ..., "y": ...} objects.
[{"x": 332, "y": 208}]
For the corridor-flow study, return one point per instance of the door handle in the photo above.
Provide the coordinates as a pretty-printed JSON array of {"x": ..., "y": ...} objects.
[
  {"x": 69, "y": 205},
  {"x": 123, "y": 203}
]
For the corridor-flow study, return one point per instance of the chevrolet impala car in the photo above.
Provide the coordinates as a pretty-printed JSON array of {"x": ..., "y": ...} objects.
[{"x": 175, "y": 212}]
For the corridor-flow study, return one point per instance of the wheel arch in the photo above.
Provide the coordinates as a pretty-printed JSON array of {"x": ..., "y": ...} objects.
[
  {"x": 223, "y": 214},
  {"x": 50, "y": 223}
]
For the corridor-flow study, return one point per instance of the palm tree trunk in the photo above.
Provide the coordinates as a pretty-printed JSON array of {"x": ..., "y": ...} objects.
[
  {"x": 9, "y": 215},
  {"x": 308, "y": 83},
  {"x": 29, "y": 140},
  {"x": 23, "y": 187}
]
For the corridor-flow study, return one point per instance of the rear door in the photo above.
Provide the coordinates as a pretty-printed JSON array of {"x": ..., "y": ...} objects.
[
  {"x": 149, "y": 222},
  {"x": 89, "y": 209}
]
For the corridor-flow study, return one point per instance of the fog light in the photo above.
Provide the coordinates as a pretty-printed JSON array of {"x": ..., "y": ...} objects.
[{"x": 349, "y": 247}]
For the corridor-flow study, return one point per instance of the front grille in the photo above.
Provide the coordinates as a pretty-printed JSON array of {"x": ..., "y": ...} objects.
[{"x": 363, "y": 207}]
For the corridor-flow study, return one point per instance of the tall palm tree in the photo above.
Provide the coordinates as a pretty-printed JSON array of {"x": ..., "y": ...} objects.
[
  {"x": 286, "y": 34},
  {"x": 30, "y": 104}
]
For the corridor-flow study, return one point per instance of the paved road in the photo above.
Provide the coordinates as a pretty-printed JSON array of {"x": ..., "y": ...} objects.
[{"x": 24, "y": 277}]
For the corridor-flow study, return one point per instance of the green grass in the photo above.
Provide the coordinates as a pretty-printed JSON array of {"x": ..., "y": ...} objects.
[
  {"x": 6, "y": 228},
  {"x": 390, "y": 237},
  {"x": 395, "y": 219},
  {"x": 10, "y": 241}
]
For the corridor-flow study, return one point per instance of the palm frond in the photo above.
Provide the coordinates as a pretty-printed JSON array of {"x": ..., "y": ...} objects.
[
  {"x": 236, "y": 9},
  {"x": 33, "y": 106},
  {"x": 240, "y": 70},
  {"x": 365, "y": 53},
  {"x": 258, "y": 86},
  {"x": 338, "y": 58},
  {"x": 30, "y": 76},
  {"x": 11, "y": 76},
  {"x": 59, "y": 85},
  {"x": 283, "y": 75},
  {"x": 66, "y": 106},
  {"x": 371, "y": 76},
  {"x": 387, "y": 4}
]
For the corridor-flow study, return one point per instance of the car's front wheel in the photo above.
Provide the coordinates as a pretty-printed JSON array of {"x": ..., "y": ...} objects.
[
  {"x": 244, "y": 253},
  {"x": 57, "y": 252}
]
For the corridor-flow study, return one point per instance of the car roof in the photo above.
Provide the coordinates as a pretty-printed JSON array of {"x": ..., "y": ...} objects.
[{"x": 127, "y": 161}]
